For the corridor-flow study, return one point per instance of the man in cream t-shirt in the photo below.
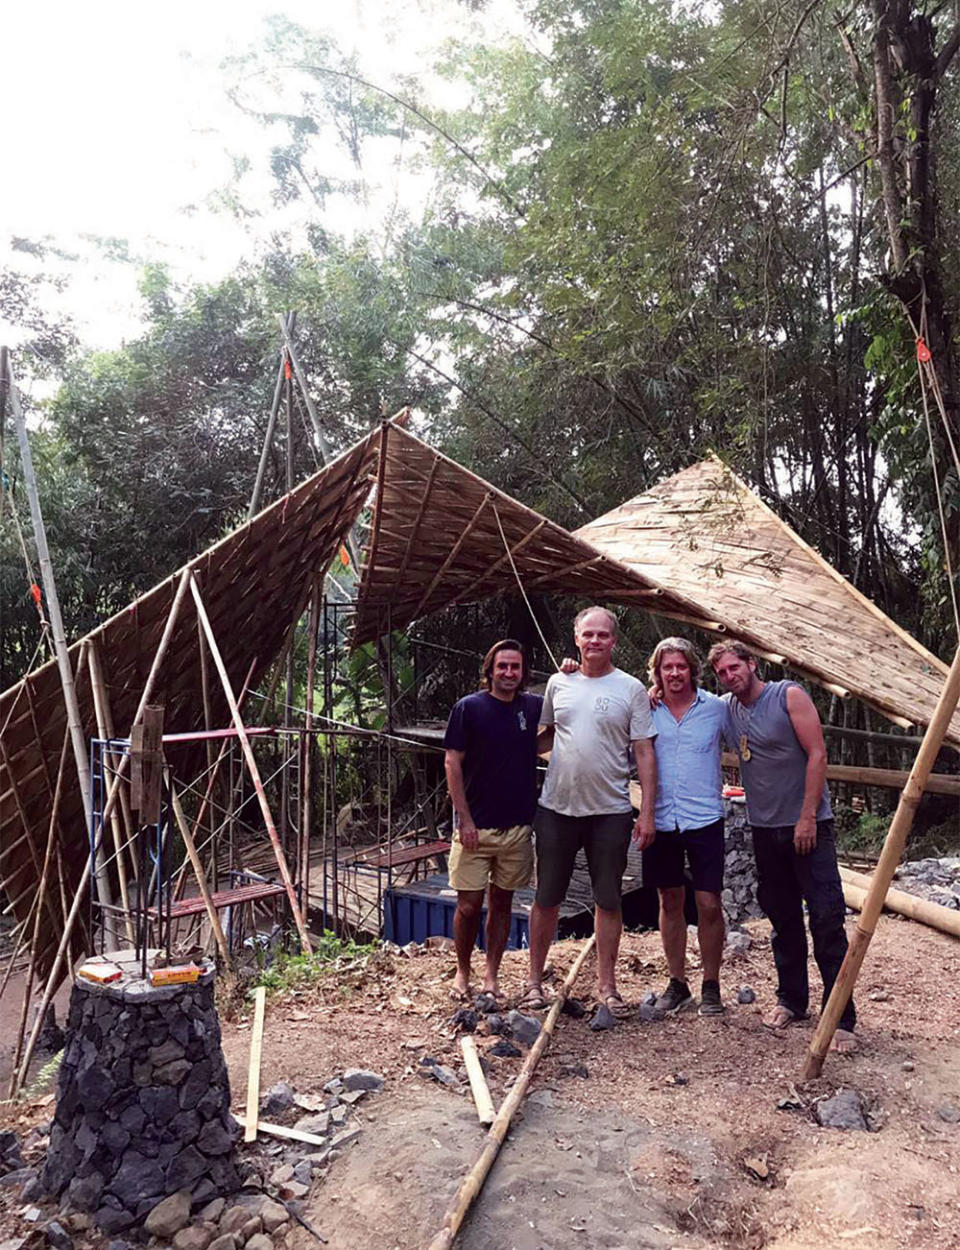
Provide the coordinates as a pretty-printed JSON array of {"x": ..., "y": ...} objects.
[{"x": 595, "y": 720}]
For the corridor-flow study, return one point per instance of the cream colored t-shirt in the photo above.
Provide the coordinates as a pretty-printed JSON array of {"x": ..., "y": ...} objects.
[{"x": 595, "y": 719}]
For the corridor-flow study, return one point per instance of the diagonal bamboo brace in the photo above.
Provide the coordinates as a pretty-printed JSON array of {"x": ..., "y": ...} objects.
[{"x": 893, "y": 847}]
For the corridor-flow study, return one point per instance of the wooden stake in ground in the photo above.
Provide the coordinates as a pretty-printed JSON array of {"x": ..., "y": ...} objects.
[
  {"x": 473, "y": 1182},
  {"x": 253, "y": 1075},
  {"x": 896, "y": 840}
]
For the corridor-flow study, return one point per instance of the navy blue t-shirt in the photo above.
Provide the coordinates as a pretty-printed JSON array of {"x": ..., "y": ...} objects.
[{"x": 499, "y": 768}]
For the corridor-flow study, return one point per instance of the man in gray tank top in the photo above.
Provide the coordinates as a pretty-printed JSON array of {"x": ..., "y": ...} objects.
[{"x": 783, "y": 765}]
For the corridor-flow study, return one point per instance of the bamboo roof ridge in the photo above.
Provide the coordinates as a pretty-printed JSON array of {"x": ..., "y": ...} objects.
[
  {"x": 706, "y": 535},
  {"x": 441, "y": 536},
  {"x": 254, "y": 584}
]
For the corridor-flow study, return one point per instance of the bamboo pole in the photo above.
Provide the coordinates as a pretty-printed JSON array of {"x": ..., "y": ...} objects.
[
  {"x": 35, "y": 939},
  {"x": 99, "y": 701},
  {"x": 886, "y": 866},
  {"x": 271, "y": 426},
  {"x": 93, "y": 649},
  {"x": 201, "y": 877},
  {"x": 473, "y": 1182},
  {"x": 251, "y": 767},
  {"x": 856, "y": 886},
  {"x": 77, "y": 736},
  {"x": 71, "y": 919}
]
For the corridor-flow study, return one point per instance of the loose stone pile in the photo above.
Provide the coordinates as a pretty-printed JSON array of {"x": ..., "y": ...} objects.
[
  {"x": 739, "y": 867},
  {"x": 935, "y": 879},
  {"x": 143, "y": 1105}
]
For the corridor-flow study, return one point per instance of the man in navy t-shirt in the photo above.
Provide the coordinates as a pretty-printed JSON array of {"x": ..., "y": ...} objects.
[{"x": 491, "y": 759}]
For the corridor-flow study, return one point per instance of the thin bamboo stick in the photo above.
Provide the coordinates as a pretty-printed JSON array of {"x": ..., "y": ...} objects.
[
  {"x": 473, "y": 1182},
  {"x": 883, "y": 874},
  {"x": 252, "y": 768}
]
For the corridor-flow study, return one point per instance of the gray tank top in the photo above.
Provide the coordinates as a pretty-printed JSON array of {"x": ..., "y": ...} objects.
[{"x": 774, "y": 775}]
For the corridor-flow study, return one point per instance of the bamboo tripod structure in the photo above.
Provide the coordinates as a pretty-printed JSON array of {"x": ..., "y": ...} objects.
[
  {"x": 889, "y": 858},
  {"x": 473, "y": 1182}
]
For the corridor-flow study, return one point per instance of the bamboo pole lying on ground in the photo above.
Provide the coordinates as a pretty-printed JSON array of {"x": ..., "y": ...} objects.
[
  {"x": 896, "y": 840},
  {"x": 473, "y": 1182},
  {"x": 856, "y": 886}
]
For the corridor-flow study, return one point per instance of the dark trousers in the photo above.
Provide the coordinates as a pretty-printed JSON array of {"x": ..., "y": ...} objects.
[{"x": 786, "y": 881}]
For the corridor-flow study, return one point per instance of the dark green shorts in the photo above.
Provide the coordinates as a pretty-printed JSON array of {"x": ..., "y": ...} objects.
[{"x": 605, "y": 839}]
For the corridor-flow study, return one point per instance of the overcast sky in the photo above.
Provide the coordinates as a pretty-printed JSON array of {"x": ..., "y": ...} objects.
[{"x": 116, "y": 123}]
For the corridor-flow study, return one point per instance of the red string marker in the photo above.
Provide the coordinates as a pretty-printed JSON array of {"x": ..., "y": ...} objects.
[
  {"x": 37, "y": 593},
  {"x": 923, "y": 352}
]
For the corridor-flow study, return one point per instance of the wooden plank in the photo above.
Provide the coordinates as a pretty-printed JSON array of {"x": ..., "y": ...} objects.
[
  {"x": 251, "y": 1120},
  {"x": 293, "y": 1134},
  {"x": 478, "y": 1082}
]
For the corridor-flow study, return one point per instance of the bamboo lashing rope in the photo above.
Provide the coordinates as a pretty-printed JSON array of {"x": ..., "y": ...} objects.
[{"x": 473, "y": 1182}]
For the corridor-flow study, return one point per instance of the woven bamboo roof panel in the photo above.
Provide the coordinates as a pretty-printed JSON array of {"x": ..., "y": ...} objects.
[
  {"x": 704, "y": 534},
  {"x": 440, "y": 536},
  {"x": 254, "y": 583}
]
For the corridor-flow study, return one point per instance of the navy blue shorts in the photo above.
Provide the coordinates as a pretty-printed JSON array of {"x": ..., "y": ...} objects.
[{"x": 663, "y": 862}]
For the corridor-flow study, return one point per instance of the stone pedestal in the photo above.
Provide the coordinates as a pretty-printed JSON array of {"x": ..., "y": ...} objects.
[
  {"x": 143, "y": 1103},
  {"x": 740, "y": 867}
]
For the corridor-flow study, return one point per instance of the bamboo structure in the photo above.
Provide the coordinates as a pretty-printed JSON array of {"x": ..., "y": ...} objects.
[
  {"x": 473, "y": 1182},
  {"x": 893, "y": 847},
  {"x": 252, "y": 768},
  {"x": 706, "y": 535},
  {"x": 856, "y": 887}
]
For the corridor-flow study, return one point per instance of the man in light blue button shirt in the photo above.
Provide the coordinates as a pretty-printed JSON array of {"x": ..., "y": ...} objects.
[{"x": 691, "y": 726}]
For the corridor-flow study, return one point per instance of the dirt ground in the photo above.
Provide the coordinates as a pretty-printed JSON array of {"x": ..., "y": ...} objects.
[
  {"x": 652, "y": 1134},
  {"x": 650, "y": 1148}
]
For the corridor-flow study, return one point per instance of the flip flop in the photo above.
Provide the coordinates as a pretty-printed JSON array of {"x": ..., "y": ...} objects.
[
  {"x": 780, "y": 1018},
  {"x": 460, "y": 996}
]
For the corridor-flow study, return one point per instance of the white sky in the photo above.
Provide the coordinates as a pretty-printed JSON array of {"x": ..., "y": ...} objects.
[{"x": 116, "y": 120}]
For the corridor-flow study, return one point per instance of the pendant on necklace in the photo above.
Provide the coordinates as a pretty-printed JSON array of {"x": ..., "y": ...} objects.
[{"x": 743, "y": 748}]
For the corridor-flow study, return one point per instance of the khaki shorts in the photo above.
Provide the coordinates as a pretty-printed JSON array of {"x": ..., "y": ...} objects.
[{"x": 504, "y": 858}]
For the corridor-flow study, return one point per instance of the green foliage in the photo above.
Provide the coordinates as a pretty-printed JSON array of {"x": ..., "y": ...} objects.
[{"x": 288, "y": 972}]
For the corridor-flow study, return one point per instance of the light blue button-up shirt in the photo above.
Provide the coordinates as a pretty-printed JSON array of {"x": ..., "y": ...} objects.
[{"x": 689, "y": 776}]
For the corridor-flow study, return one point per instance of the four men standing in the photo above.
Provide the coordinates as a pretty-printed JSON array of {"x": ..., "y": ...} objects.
[{"x": 597, "y": 722}]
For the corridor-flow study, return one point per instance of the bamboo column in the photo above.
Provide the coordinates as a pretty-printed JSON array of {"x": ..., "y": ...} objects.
[
  {"x": 473, "y": 1182},
  {"x": 77, "y": 736},
  {"x": 252, "y": 768},
  {"x": 883, "y": 874}
]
